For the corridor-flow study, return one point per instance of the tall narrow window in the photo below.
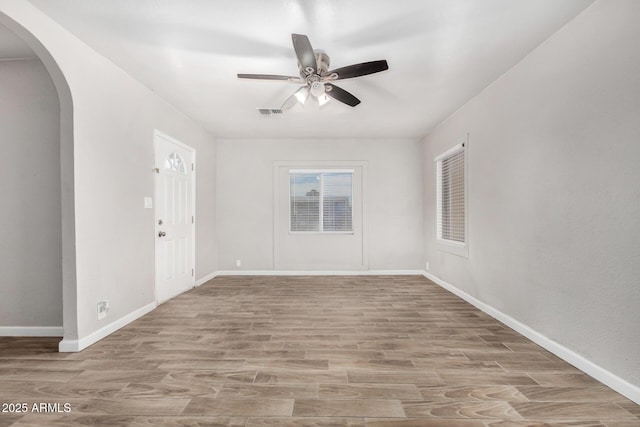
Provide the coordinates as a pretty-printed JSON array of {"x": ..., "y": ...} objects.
[
  {"x": 321, "y": 201},
  {"x": 450, "y": 181}
]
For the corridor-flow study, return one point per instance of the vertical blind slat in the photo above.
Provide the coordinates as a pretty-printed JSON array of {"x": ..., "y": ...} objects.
[{"x": 451, "y": 197}]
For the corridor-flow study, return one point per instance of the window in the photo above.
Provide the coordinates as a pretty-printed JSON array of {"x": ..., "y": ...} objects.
[
  {"x": 321, "y": 201},
  {"x": 174, "y": 163},
  {"x": 450, "y": 205}
]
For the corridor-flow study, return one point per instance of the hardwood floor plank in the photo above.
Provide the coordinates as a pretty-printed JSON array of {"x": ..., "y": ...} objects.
[
  {"x": 117, "y": 406},
  {"x": 41, "y": 374},
  {"x": 345, "y": 355},
  {"x": 397, "y": 365},
  {"x": 628, "y": 406},
  {"x": 368, "y": 391},
  {"x": 210, "y": 364},
  {"x": 119, "y": 376},
  {"x": 9, "y": 420},
  {"x": 189, "y": 421},
  {"x": 424, "y": 422},
  {"x": 168, "y": 389},
  {"x": 129, "y": 421},
  {"x": 252, "y": 355},
  {"x": 202, "y": 376},
  {"x": 348, "y": 408},
  {"x": 29, "y": 347},
  {"x": 283, "y": 376},
  {"x": 622, "y": 423},
  {"x": 573, "y": 410},
  {"x": 376, "y": 377},
  {"x": 291, "y": 364},
  {"x": 40, "y": 420},
  {"x": 545, "y": 423},
  {"x": 597, "y": 393},
  {"x": 471, "y": 377},
  {"x": 240, "y": 407},
  {"x": 460, "y": 365},
  {"x": 24, "y": 364},
  {"x": 12, "y": 390},
  {"x": 560, "y": 379},
  {"x": 460, "y": 409},
  {"x": 297, "y": 391},
  {"x": 306, "y": 422},
  {"x": 117, "y": 364},
  {"x": 507, "y": 393}
]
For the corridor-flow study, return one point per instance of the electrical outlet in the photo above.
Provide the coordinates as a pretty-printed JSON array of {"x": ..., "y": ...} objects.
[
  {"x": 427, "y": 265},
  {"x": 103, "y": 308},
  {"x": 238, "y": 263}
]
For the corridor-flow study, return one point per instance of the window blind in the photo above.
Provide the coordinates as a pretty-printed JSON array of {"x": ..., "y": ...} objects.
[
  {"x": 321, "y": 201},
  {"x": 336, "y": 201},
  {"x": 451, "y": 196},
  {"x": 304, "y": 197}
]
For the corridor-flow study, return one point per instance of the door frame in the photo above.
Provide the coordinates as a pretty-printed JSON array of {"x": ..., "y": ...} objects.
[{"x": 156, "y": 135}]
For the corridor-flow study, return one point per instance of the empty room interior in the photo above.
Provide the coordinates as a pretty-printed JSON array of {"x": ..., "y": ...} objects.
[{"x": 320, "y": 213}]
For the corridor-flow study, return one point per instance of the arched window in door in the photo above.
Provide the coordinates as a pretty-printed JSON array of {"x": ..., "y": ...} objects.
[{"x": 175, "y": 163}]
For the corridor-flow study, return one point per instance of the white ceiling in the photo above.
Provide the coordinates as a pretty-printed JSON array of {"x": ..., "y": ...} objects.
[{"x": 440, "y": 53}]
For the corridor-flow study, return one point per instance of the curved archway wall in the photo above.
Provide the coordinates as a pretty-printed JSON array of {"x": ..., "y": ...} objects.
[
  {"x": 107, "y": 124},
  {"x": 40, "y": 227},
  {"x": 30, "y": 224}
]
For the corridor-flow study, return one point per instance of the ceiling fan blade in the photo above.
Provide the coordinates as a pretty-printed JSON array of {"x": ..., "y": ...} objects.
[
  {"x": 300, "y": 96},
  {"x": 340, "y": 94},
  {"x": 357, "y": 70},
  {"x": 304, "y": 52},
  {"x": 269, "y": 77}
]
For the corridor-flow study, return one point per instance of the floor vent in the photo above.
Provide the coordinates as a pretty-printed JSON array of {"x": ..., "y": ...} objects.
[{"x": 270, "y": 112}]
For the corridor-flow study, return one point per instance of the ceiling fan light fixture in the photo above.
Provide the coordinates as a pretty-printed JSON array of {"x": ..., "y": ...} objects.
[
  {"x": 302, "y": 95},
  {"x": 317, "y": 89},
  {"x": 323, "y": 99}
]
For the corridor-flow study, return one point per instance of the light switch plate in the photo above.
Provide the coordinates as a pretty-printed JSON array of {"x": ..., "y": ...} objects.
[{"x": 148, "y": 203}]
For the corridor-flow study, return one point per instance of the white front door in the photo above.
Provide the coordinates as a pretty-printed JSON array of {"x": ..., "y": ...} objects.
[{"x": 174, "y": 217}]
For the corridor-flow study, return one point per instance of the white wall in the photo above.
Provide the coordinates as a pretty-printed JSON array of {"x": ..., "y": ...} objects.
[
  {"x": 245, "y": 198},
  {"x": 30, "y": 225},
  {"x": 114, "y": 118},
  {"x": 114, "y": 124},
  {"x": 554, "y": 190}
]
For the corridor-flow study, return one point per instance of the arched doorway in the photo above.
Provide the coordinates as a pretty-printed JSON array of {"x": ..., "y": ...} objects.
[{"x": 39, "y": 289}]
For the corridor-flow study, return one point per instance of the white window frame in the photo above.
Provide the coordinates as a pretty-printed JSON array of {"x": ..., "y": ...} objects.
[
  {"x": 321, "y": 215},
  {"x": 445, "y": 245}
]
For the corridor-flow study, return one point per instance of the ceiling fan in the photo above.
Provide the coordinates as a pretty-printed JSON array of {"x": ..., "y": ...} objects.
[{"x": 316, "y": 76}]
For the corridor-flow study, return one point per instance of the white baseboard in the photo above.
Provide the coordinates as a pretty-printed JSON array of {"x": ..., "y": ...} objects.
[
  {"x": 206, "y": 278},
  {"x": 67, "y": 346},
  {"x": 606, "y": 377},
  {"x": 31, "y": 331},
  {"x": 318, "y": 273}
]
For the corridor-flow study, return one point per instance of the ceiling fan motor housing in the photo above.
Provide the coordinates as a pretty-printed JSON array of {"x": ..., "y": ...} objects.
[{"x": 323, "y": 61}]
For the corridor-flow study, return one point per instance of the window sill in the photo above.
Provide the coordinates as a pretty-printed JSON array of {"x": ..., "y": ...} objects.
[
  {"x": 322, "y": 233},
  {"x": 454, "y": 248}
]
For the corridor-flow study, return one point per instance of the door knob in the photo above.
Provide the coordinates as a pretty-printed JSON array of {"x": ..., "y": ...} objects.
[{"x": 162, "y": 234}]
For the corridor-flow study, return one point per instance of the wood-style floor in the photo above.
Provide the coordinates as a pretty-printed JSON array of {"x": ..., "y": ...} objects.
[{"x": 307, "y": 351}]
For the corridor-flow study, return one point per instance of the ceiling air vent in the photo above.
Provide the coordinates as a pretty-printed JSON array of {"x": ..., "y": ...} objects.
[{"x": 270, "y": 112}]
